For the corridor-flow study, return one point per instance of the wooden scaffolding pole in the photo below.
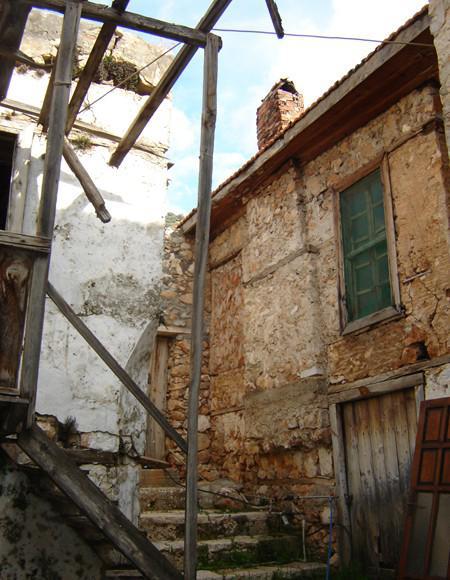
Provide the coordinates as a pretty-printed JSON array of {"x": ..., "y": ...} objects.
[
  {"x": 166, "y": 83},
  {"x": 47, "y": 208},
  {"x": 209, "y": 114}
]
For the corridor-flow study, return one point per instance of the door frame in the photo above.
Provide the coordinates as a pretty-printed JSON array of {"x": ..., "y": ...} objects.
[{"x": 336, "y": 401}]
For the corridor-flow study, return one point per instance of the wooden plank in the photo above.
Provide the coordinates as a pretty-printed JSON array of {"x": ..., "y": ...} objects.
[
  {"x": 13, "y": 399},
  {"x": 275, "y": 17},
  {"x": 19, "y": 182},
  {"x": 44, "y": 114},
  {"x": 403, "y": 371},
  {"x": 393, "y": 506},
  {"x": 47, "y": 208},
  {"x": 377, "y": 388},
  {"x": 166, "y": 83},
  {"x": 172, "y": 331},
  {"x": 93, "y": 62},
  {"x": 382, "y": 513},
  {"x": 32, "y": 111},
  {"x": 25, "y": 242},
  {"x": 156, "y": 438},
  {"x": 371, "y": 529},
  {"x": 104, "y": 514},
  {"x": 114, "y": 366},
  {"x": 86, "y": 182},
  {"x": 354, "y": 481},
  {"x": 338, "y": 442},
  {"x": 15, "y": 275},
  {"x": 130, "y": 20},
  {"x": 209, "y": 114},
  {"x": 404, "y": 456},
  {"x": 411, "y": 415},
  {"x": 13, "y": 19}
]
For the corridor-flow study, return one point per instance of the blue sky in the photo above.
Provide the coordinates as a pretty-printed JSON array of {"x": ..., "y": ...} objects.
[{"x": 250, "y": 64}]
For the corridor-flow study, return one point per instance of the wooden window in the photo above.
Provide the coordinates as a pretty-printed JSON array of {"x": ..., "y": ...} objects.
[{"x": 369, "y": 285}]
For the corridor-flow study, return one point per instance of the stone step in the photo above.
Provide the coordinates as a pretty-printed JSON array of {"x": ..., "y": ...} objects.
[
  {"x": 294, "y": 570},
  {"x": 159, "y": 478},
  {"x": 161, "y": 525},
  {"x": 161, "y": 498},
  {"x": 237, "y": 551}
]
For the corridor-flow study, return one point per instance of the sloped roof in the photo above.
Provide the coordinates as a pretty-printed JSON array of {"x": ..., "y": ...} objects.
[{"x": 350, "y": 97}]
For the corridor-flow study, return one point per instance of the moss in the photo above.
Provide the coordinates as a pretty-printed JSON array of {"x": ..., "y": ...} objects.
[
  {"x": 81, "y": 142},
  {"x": 118, "y": 70}
]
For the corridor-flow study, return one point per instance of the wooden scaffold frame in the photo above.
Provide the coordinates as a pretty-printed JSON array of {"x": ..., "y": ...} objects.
[{"x": 58, "y": 116}]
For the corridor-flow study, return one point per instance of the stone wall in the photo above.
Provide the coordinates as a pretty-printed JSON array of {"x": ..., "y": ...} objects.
[
  {"x": 177, "y": 311},
  {"x": 34, "y": 540},
  {"x": 439, "y": 11},
  {"x": 275, "y": 335}
]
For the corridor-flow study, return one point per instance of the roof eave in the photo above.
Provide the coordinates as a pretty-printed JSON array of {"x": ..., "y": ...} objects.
[{"x": 333, "y": 116}]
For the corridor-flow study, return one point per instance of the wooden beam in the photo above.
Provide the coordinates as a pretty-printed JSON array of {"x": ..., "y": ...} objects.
[
  {"x": 114, "y": 366},
  {"x": 340, "y": 475},
  {"x": 209, "y": 115},
  {"x": 166, "y": 83},
  {"x": 101, "y": 512},
  {"x": 130, "y": 20},
  {"x": 374, "y": 389},
  {"x": 276, "y": 18},
  {"x": 86, "y": 182},
  {"x": 95, "y": 58},
  {"x": 13, "y": 19},
  {"x": 47, "y": 208},
  {"x": 44, "y": 114}
]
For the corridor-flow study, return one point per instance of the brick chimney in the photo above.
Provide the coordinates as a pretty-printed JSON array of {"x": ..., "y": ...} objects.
[{"x": 282, "y": 105}]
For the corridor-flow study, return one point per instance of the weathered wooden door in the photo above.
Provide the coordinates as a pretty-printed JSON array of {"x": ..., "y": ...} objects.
[
  {"x": 426, "y": 542},
  {"x": 379, "y": 438}
]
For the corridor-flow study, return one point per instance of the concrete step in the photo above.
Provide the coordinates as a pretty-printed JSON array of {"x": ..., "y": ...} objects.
[
  {"x": 237, "y": 551},
  {"x": 294, "y": 570},
  {"x": 161, "y": 525},
  {"x": 162, "y": 498}
]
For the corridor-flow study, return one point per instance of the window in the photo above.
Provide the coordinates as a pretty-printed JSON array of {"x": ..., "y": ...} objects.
[
  {"x": 7, "y": 144},
  {"x": 368, "y": 253}
]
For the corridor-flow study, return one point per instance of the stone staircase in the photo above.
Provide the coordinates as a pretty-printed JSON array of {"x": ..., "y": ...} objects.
[{"x": 233, "y": 543}]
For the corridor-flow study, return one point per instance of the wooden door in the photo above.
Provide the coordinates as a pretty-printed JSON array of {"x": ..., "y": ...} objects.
[
  {"x": 156, "y": 438},
  {"x": 379, "y": 438},
  {"x": 426, "y": 543}
]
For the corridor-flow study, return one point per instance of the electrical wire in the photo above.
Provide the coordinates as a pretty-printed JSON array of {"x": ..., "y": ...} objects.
[
  {"x": 323, "y": 37},
  {"x": 125, "y": 80}
]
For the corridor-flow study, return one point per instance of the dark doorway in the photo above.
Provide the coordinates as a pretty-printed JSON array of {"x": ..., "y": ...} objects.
[{"x": 7, "y": 145}]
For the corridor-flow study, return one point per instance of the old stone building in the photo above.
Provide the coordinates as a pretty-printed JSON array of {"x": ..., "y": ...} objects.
[
  {"x": 109, "y": 272},
  {"x": 327, "y": 301}
]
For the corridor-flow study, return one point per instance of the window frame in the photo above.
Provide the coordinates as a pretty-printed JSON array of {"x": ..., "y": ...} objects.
[{"x": 395, "y": 310}]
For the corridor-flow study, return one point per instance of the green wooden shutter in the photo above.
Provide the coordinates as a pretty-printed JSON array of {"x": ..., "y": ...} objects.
[{"x": 366, "y": 266}]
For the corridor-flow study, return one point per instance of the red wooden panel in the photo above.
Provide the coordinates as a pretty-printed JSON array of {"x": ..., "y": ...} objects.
[
  {"x": 428, "y": 466},
  {"x": 445, "y": 473},
  {"x": 433, "y": 423},
  {"x": 448, "y": 427},
  {"x": 426, "y": 541}
]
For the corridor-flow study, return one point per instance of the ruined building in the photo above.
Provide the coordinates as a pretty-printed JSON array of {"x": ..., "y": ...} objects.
[{"x": 327, "y": 322}]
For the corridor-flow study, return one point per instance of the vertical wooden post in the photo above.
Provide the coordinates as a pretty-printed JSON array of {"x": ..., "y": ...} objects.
[
  {"x": 201, "y": 257},
  {"x": 47, "y": 208}
]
